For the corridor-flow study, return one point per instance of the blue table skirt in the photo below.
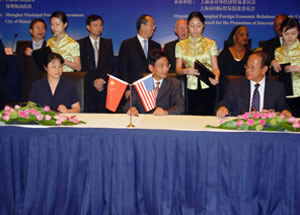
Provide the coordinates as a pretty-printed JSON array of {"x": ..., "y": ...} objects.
[{"x": 85, "y": 171}]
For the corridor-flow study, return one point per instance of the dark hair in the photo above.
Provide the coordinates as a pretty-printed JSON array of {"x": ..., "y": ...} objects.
[
  {"x": 61, "y": 15},
  {"x": 289, "y": 23},
  {"x": 35, "y": 21},
  {"x": 230, "y": 40},
  {"x": 155, "y": 55},
  {"x": 196, "y": 14},
  {"x": 265, "y": 59},
  {"x": 141, "y": 20},
  {"x": 53, "y": 56},
  {"x": 92, "y": 18},
  {"x": 283, "y": 15}
]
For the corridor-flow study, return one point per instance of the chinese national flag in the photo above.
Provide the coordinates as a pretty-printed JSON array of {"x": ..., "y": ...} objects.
[{"x": 115, "y": 90}]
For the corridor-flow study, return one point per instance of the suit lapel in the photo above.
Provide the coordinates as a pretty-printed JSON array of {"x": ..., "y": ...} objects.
[
  {"x": 140, "y": 48},
  {"x": 245, "y": 97},
  {"x": 162, "y": 90}
]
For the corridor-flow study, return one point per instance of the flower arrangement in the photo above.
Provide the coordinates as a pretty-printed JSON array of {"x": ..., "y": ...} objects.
[
  {"x": 33, "y": 114},
  {"x": 265, "y": 120}
]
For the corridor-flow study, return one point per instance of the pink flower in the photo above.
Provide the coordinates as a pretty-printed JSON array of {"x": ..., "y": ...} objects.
[
  {"x": 239, "y": 123},
  {"x": 27, "y": 111},
  {"x": 270, "y": 115},
  {"x": 246, "y": 115},
  {"x": 262, "y": 122},
  {"x": 7, "y": 112},
  {"x": 291, "y": 119},
  {"x": 47, "y": 117},
  {"x": 26, "y": 115},
  {"x": 7, "y": 108},
  {"x": 76, "y": 121},
  {"x": 282, "y": 116},
  {"x": 6, "y": 117},
  {"x": 250, "y": 122},
  {"x": 58, "y": 122},
  {"x": 21, "y": 113},
  {"x": 240, "y": 116},
  {"x": 295, "y": 125},
  {"x": 47, "y": 108},
  {"x": 263, "y": 115},
  {"x": 39, "y": 117},
  {"x": 56, "y": 116},
  {"x": 256, "y": 115},
  {"x": 32, "y": 111},
  {"x": 222, "y": 121},
  {"x": 17, "y": 106}
]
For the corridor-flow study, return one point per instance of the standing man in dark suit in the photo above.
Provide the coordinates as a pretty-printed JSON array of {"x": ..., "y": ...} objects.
[
  {"x": 133, "y": 52},
  {"x": 97, "y": 59},
  {"x": 29, "y": 68},
  {"x": 270, "y": 45},
  {"x": 255, "y": 92},
  {"x": 181, "y": 31},
  {"x": 169, "y": 98}
]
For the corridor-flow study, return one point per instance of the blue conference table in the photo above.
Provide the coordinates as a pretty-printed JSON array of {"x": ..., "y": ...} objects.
[{"x": 90, "y": 170}]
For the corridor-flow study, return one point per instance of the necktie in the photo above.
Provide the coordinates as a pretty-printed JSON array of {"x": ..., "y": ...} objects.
[
  {"x": 256, "y": 98},
  {"x": 96, "y": 51},
  {"x": 145, "y": 48}
]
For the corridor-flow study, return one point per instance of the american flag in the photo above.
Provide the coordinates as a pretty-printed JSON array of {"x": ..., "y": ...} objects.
[{"x": 146, "y": 90}]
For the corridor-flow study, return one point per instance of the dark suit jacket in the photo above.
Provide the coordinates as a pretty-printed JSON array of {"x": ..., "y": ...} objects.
[
  {"x": 237, "y": 96},
  {"x": 132, "y": 61},
  {"x": 169, "y": 50},
  {"x": 270, "y": 45},
  {"x": 95, "y": 100},
  {"x": 29, "y": 69},
  {"x": 169, "y": 98}
]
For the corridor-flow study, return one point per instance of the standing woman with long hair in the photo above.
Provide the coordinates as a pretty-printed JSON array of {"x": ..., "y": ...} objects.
[
  {"x": 201, "y": 98},
  {"x": 289, "y": 53},
  {"x": 62, "y": 43}
]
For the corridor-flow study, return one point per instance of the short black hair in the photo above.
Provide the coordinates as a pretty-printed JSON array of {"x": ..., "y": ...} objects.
[
  {"x": 289, "y": 23},
  {"x": 196, "y": 14},
  {"x": 155, "y": 55},
  {"x": 93, "y": 17},
  {"x": 141, "y": 20},
  {"x": 59, "y": 14},
  {"x": 265, "y": 58},
  {"x": 35, "y": 21},
  {"x": 53, "y": 56}
]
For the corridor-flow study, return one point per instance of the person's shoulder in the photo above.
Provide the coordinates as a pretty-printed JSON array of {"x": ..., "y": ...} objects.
[
  {"x": 82, "y": 40},
  {"x": 172, "y": 81},
  {"x": 130, "y": 40},
  {"x": 171, "y": 43},
  {"x": 154, "y": 43},
  {"x": 40, "y": 82}
]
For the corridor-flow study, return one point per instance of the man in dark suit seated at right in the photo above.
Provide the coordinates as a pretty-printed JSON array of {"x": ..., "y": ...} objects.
[
  {"x": 97, "y": 59},
  {"x": 30, "y": 69},
  {"x": 133, "y": 53},
  {"x": 169, "y": 98},
  {"x": 270, "y": 45},
  {"x": 181, "y": 31},
  {"x": 254, "y": 92}
]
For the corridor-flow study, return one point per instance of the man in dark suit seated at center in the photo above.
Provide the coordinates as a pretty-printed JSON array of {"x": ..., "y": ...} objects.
[
  {"x": 254, "y": 92},
  {"x": 169, "y": 98}
]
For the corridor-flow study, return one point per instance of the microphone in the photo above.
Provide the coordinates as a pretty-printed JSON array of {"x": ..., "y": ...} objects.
[{"x": 13, "y": 43}]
